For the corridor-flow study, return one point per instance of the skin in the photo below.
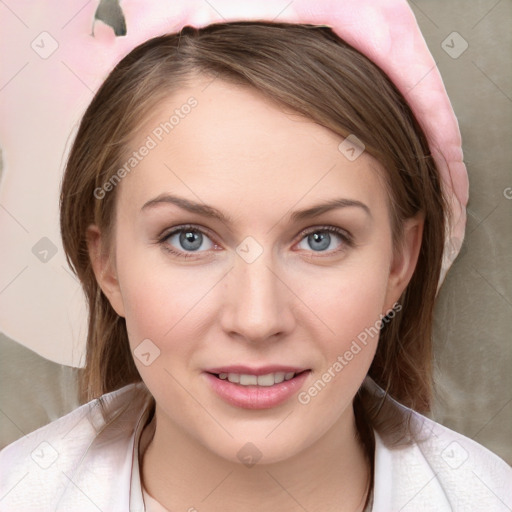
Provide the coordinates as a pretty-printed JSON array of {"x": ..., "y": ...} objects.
[{"x": 257, "y": 163}]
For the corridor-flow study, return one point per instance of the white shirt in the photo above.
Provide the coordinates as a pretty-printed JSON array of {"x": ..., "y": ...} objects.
[{"x": 81, "y": 462}]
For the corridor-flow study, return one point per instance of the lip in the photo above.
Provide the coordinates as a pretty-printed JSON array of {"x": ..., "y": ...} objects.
[{"x": 255, "y": 397}]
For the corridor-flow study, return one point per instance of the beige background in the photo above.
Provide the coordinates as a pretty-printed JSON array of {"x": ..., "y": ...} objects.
[{"x": 473, "y": 330}]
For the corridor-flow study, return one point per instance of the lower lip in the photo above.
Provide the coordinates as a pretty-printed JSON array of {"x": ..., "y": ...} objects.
[{"x": 256, "y": 397}]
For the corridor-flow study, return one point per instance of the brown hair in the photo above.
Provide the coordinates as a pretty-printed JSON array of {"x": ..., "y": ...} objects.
[{"x": 315, "y": 73}]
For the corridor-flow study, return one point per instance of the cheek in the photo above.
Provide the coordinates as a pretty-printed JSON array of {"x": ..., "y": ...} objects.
[
  {"x": 163, "y": 312},
  {"x": 351, "y": 299},
  {"x": 155, "y": 295},
  {"x": 346, "y": 359},
  {"x": 351, "y": 308},
  {"x": 166, "y": 304},
  {"x": 153, "y": 303}
]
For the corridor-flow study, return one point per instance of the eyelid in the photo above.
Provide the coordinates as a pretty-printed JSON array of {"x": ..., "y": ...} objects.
[
  {"x": 329, "y": 228},
  {"x": 167, "y": 232}
]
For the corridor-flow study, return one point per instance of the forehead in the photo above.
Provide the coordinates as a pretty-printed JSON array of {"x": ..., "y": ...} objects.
[{"x": 226, "y": 144}]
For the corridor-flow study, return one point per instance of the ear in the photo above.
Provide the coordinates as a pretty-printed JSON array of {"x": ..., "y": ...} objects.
[
  {"x": 404, "y": 259},
  {"x": 104, "y": 269}
]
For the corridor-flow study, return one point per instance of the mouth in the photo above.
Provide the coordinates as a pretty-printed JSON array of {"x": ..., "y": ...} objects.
[
  {"x": 251, "y": 388},
  {"x": 265, "y": 380}
]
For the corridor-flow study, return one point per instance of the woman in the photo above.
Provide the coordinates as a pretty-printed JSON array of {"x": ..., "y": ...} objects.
[{"x": 258, "y": 217}]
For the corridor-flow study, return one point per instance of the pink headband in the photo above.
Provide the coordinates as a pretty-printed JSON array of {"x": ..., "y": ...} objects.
[{"x": 386, "y": 32}]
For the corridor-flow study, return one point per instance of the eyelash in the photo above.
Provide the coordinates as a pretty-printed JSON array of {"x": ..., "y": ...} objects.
[{"x": 343, "y": 234}]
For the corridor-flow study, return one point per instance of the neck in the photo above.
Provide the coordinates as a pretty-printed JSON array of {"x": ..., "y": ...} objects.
[{"x": 332, "y": 474}]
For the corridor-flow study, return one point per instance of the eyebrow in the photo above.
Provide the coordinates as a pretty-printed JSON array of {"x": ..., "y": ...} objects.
[{"x": 209, "y": 211}]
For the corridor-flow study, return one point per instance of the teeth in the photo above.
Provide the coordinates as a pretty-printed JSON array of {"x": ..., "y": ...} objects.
[
  {"x": 257, "y": 380},
  {"x": 278, "y": 377},
  {"x": 266, "y": 380},
  {"x": 248, "y": 380}
]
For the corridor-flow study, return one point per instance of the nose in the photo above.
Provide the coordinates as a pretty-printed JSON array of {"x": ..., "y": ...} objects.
[{"x": 257, "y": 304}]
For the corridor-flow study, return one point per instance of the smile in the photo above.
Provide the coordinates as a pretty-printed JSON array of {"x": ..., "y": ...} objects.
[
  {"x": 262, "y": 388},
  {"x": 266, "y": 380}
]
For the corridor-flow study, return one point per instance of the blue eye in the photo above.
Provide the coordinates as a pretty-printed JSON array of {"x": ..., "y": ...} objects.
[
  {"x": 186, "y": 239},
  {"x": 320, "y": 239}
]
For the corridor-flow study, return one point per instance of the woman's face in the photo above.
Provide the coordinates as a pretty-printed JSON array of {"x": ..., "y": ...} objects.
[{"x": 250, "y": 249}]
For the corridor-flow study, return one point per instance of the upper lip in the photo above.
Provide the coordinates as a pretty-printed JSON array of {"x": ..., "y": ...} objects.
[{"x": 262, "y": 370}]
